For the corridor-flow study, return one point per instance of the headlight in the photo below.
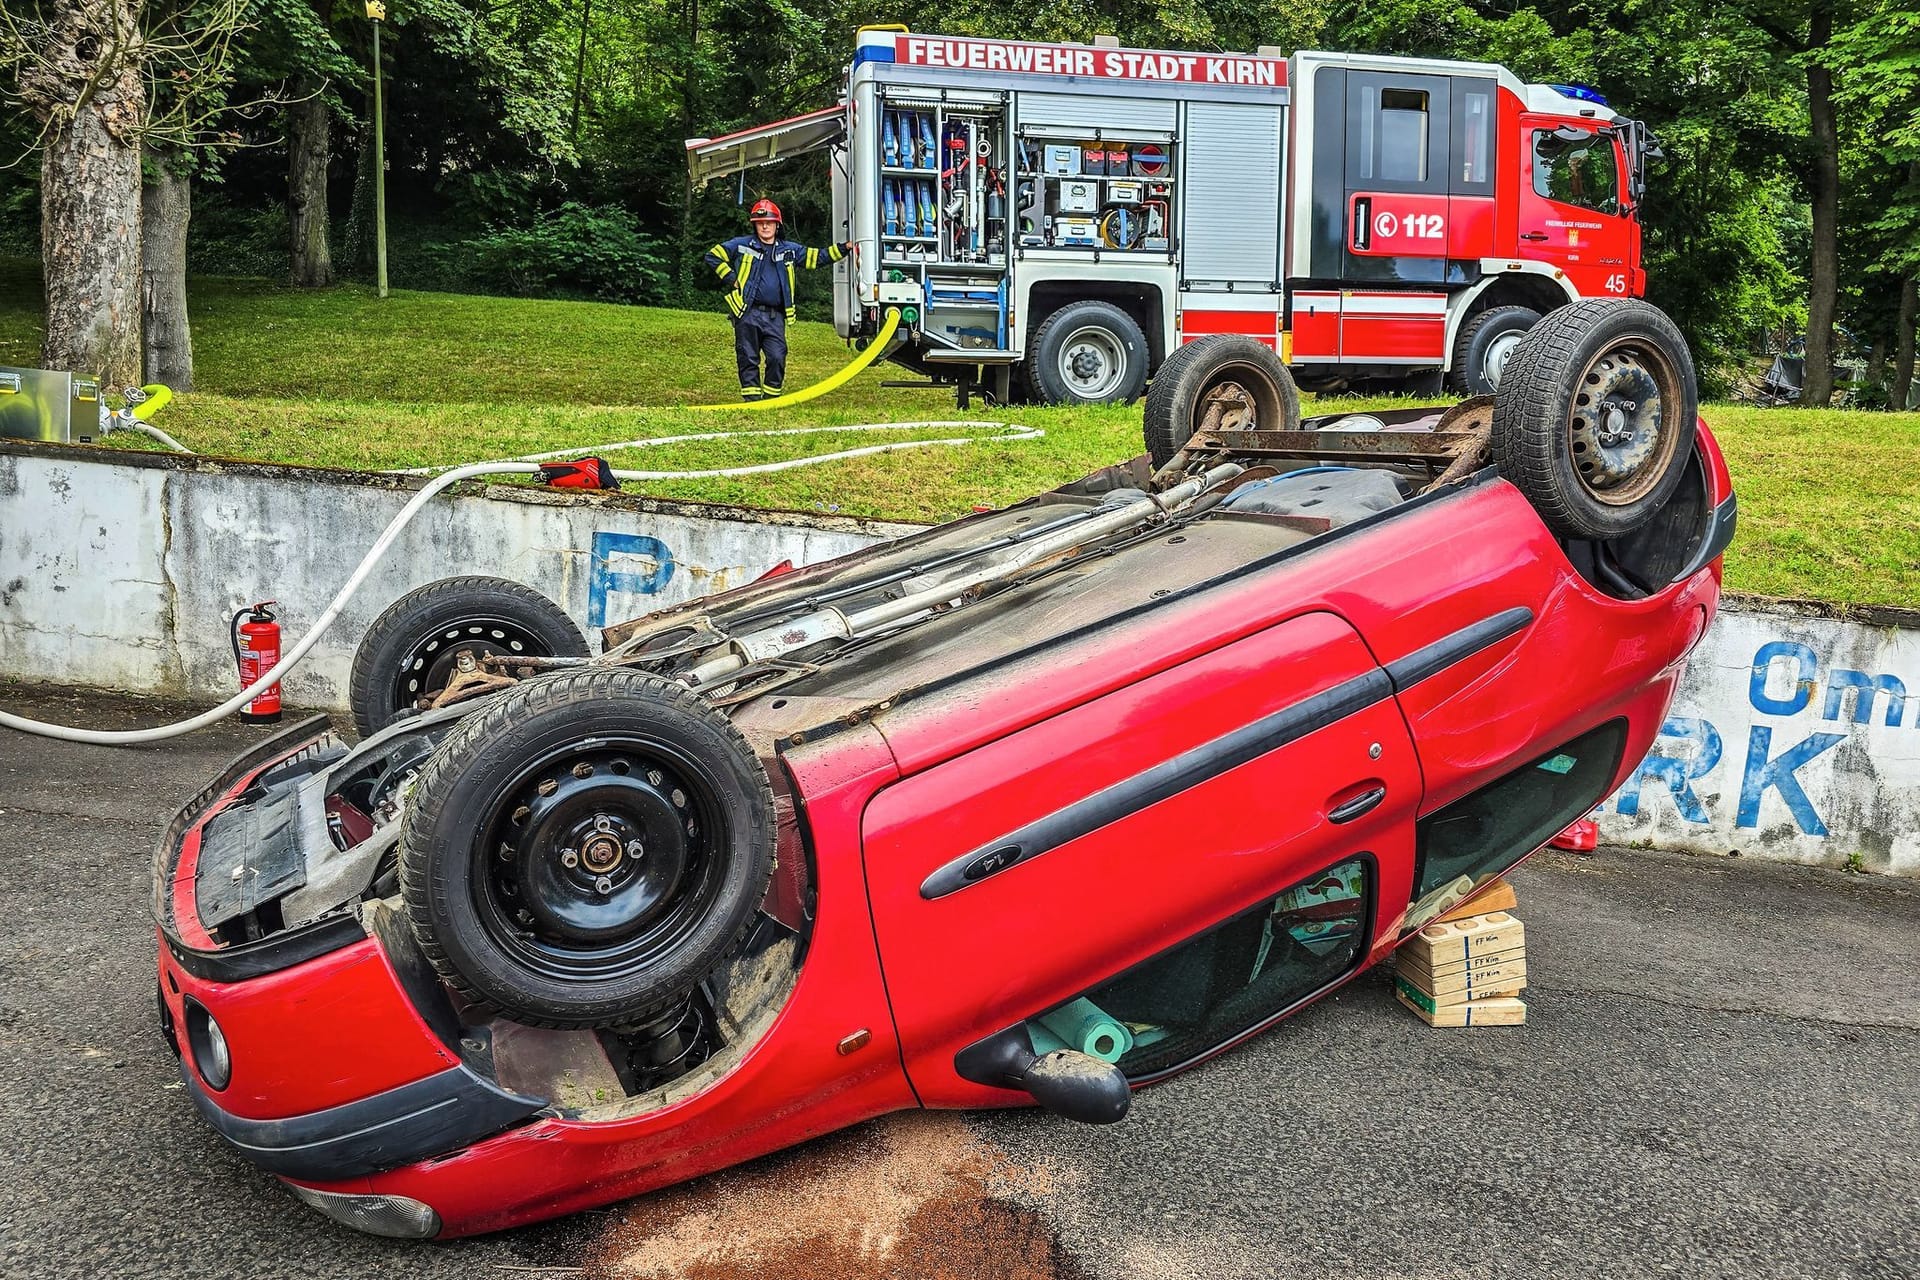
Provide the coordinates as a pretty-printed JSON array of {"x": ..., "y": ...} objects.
[
  {"x": 210, "y": 1053},
  {"x": 398, "y": 1217}
]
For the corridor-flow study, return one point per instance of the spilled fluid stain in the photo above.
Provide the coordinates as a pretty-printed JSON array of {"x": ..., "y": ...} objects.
[{"x": 914, "y": 1196}]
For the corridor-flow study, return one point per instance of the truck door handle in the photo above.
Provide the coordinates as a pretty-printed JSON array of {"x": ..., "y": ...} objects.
[
  {"x": 1364, "y": 803},
  {"x": 1362, "y": 220},
  {"x": 1533, "y": 235}
]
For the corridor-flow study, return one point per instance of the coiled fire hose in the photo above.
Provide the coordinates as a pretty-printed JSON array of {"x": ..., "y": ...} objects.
[{"x": 135, "y": 418}]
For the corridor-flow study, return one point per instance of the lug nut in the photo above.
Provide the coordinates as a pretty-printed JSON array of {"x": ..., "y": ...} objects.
[
  {"x": 636, "y": 849},
  {"x": 569, "y": 859},
  {"x": 604, "y": 884}
]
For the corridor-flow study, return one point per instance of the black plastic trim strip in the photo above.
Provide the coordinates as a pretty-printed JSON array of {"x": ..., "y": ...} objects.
[
  {"x": 429, "y": 1117},
  {"x": 1430, "y": 660},
  {"x": 1164, "y": 780},
  {"x": 1720, "y": 529}
]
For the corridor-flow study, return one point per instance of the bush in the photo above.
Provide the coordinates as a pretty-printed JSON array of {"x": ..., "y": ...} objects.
[{"x": 575, "y": 251}]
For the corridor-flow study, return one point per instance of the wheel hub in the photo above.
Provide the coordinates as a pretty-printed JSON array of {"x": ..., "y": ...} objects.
[
  {"x": 1499, "y": 351},
  {"x": 595, "y": 852},
  {"x": 1616, "y": 426},
  {"x": 1093, "y": 363}
]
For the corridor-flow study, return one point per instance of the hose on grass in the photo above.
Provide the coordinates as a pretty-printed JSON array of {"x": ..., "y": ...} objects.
[{"x": 998, "y": 432}]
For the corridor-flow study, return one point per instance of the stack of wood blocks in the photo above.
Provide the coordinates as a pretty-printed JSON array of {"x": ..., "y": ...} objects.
[{"x": 1466, "y": 969}]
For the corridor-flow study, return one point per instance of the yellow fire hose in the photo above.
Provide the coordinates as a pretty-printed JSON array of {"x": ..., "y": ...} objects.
[{"x": 881, "y": 344}]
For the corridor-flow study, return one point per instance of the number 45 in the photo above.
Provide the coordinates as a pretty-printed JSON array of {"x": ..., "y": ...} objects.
[{"x": 1616, "y": 283}]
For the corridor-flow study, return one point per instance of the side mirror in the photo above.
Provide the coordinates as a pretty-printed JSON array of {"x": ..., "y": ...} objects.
[{"x": 1071, "y": 1084}]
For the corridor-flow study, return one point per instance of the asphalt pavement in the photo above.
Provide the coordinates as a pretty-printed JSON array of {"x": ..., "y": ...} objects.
[{"x": 1715, "y": 1079}]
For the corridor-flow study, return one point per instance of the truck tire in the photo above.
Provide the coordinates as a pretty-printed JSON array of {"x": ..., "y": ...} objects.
[
  {"x": 1223, "y": 381},
  {"x": 1595, "y": 417},
  {"x": 408, "y": 653},
  {"x": 1087, "y": 353},
  {"x": 1483, "y": 346},
  {"x": 587, "y": 850}
]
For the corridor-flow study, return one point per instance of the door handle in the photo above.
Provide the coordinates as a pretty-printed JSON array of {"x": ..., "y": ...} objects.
[
  {"x": 1364, "y": 803},
  {"x": 1533, "y": 235},
  {"x": 1362, "y": 221}
]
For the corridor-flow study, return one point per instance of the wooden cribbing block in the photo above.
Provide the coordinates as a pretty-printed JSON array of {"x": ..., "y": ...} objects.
[
  {"x": 1499, "y": 898},
  {"x": 1456, "y": 988},
  {"x": 1499, "y": 1011},
  {"x": 1442, "y": 944},
  {"x": 1406, "y": 962}
]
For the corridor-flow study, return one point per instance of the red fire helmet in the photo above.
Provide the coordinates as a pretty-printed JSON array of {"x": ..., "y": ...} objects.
[{"x": 764, "y": 211}]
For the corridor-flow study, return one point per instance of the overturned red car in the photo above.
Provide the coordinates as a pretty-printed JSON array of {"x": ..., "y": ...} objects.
[{"x": 1044, "y": 804}]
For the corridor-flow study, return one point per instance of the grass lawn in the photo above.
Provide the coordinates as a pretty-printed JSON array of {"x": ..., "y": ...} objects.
[{"x": 1830, "y": 500}]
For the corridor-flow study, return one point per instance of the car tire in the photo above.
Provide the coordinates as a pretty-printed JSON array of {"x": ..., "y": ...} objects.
[
  {"x": 408, "y": 653},
  {"x": 587, "y": 850},
  {"x": 1087, "y": 353},
  {"x": 1221, "y": 381},
  {"x": 1595, "y": 417},
  {"x": 1483, "y": 347}
]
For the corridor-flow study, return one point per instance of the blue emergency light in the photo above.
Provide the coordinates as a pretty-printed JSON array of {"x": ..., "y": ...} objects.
[{"x": 1582, "y": 92}]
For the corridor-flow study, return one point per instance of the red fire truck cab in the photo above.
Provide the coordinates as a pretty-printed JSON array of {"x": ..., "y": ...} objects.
[{"x": 1054, "y": 219}]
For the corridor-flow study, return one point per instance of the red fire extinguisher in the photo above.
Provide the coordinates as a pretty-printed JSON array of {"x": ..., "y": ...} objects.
[{"x": 256, "y": 651}]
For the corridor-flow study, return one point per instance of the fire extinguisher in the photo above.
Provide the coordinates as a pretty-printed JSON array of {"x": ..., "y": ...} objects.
[{"x": 256, "y": 651}]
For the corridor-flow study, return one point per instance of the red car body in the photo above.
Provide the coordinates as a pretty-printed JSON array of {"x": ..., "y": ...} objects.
[{"x": 1314, "y": 702}]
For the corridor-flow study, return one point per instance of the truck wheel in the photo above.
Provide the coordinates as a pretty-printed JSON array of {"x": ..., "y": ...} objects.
[
  {"x": 1223, "y": 382},
  {"x": 1595, "y": 416},
  {"x": 411, "y": 650},
  {"x": 587, "y": 850},
  {"x": 1088, "y": 353},
  {"x": 1483, "y": 346}
]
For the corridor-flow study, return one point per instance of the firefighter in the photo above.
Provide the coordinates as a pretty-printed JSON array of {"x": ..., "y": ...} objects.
[{"x": 759, "y": 272}]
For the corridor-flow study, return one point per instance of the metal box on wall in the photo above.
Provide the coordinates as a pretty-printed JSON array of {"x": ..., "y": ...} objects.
[{"x": 40, "y": 404}]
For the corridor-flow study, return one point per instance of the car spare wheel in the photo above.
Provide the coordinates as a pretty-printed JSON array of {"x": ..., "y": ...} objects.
[
  {"x": 1223, "y": 382},
  {"x": 587, "y": 850},
  {"x": 1594, "y": 416},
  {"x": 426, "y": 636}
]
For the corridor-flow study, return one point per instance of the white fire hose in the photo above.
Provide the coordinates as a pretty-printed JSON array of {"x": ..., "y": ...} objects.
[{"x": 531, "y": 465}]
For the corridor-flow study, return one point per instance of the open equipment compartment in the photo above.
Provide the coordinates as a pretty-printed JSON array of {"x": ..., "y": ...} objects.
[{"x": 943, "y": 205}]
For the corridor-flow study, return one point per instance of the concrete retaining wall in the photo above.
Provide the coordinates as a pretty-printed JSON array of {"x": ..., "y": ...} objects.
[
  {"x": 121, "y": 570},
  {"x": 1794, "y": 736}
]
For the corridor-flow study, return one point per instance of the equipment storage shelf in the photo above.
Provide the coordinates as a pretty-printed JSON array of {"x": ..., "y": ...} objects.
[{"x": 1088, "y": 190}]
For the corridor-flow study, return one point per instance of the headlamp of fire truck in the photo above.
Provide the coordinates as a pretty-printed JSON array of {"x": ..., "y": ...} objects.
[{"x": 211, "y": 1057}]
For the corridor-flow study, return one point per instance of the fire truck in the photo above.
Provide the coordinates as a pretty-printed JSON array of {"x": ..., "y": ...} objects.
[{"x": 1051, "y": 220}]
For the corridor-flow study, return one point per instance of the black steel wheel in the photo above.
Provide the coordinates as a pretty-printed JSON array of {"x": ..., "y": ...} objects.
[
  {"x": 1223, "y": 382},
  {"x": 413, "y": 649},
  {"x": 587, "y": 850},
  {"x": 1594, "y": 419}
]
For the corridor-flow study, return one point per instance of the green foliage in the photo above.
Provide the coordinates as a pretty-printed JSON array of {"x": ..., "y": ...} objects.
[{"x": 573, "y": 252}]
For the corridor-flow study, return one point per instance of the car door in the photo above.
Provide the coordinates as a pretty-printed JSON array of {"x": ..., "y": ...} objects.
[
  {"x": 1399, "y": 139},
  {"x": 1011, "y": 879},
  {"x": 1573, "y": 209}
]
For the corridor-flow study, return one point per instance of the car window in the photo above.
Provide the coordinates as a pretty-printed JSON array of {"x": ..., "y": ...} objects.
[
  {"x": 1484, "y": 834},
  {"x": 1213, "y": 987},
  {"x": 1577, "y": 171}
]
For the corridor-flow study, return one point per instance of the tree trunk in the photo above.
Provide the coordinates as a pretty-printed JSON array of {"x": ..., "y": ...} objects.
[
  {"x": 309, "y": 148},
  {"x": 89, "y": 85},
  {"x": 1903, "y": 345},
  {"x": 360, "y": 209},
  {"x": 165, "y": 206},
  {"x": 1823, "y": 276}
]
